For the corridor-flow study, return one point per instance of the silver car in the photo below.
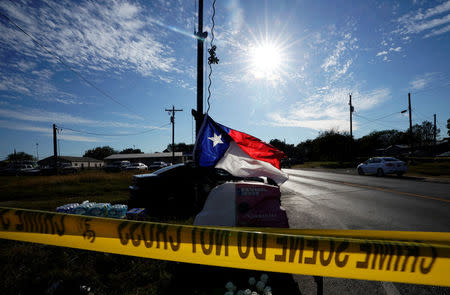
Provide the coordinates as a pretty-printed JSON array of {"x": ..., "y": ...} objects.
[
  {"x": 382, "y": 165},
  {"x": 137, "y": 166}
]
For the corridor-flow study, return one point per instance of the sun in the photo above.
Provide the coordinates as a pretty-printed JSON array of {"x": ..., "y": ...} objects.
[{"x": 266, "y": 61}]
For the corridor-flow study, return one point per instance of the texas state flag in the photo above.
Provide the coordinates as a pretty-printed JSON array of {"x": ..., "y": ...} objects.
[{"x": 238, "y": 153}]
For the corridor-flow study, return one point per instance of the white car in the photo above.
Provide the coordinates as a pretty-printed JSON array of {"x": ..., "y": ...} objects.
[
  {"x": 382, "y": 165},
  {"x": 137, "y": 166}
]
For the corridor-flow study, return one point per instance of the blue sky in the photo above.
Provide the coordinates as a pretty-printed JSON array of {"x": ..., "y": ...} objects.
[{"x": 285, "y": 71}]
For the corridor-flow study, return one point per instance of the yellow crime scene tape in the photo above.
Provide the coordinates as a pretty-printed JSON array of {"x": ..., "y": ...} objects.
[{"x": 406, "y": 257}]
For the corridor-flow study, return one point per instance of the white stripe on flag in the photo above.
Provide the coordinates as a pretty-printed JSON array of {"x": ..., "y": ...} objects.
[{"x": 239, "y": 163}]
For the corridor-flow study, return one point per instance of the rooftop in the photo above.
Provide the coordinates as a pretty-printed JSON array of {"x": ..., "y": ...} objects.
[{"x": 142, "y": 156}]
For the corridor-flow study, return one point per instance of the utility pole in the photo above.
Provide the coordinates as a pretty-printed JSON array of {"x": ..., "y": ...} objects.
[
  {"x": 434, "y": 130},
  {"x": 172, "y": 120},
  {"x": 37, "y": 151},
  {"x": 55, "y": 149},
  {"x": 410, "y": 124},
  {"x": 201, "y": 36},
  {"x": 352, "y": 109}
]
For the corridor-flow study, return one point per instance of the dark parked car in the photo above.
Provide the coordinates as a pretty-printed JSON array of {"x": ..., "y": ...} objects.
[
  {"x": 172, "y": 189},
  {"x": 157, "y": 165},
  {"x": 117, "y": 166}
]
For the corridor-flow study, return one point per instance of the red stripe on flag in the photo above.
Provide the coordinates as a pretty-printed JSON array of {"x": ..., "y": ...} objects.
[{"x": 257, "y": 149}]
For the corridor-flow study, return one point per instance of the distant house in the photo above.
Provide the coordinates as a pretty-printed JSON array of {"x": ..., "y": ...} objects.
[
  {"x": 393, "y": 150},
  {"x": 180, "y": 157},
  {"x": 81, "y": 162},
  {"x": 396, "y": 150}
]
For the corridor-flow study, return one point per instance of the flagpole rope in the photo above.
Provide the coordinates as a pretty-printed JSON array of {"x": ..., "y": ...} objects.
[{"x": 212, "y": 59}]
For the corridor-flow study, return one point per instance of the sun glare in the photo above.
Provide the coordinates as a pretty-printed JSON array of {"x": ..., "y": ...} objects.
[{"x": 266, "y": 61}]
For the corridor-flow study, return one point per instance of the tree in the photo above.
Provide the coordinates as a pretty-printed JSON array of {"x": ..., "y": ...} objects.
[
  {"x": 131, "y": 151},
  {"x": 332, "y": 145},
  {"x": 367, "y": 145},
  {"x": 20, "y": 157},
  {"x": 289, "y": 150},
  {"x": 448, "y": 127},
  {"x": 100, "y": 153},
  {"x": 180, "y": 147},
  {"x": 424, "y": 134}
]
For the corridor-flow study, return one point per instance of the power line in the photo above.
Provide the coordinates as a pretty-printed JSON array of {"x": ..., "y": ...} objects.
[
  {"x": 376, "y": 121},
  {"x": 104, "y": 134},
  {"x": 104, "y": 93},
  {"x": 422, "y": 116},
  {"x": 380, "y": 118}
]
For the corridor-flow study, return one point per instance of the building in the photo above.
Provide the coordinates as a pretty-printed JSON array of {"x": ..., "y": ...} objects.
[
  {"x": 396, "y": 150},
  {"x": 148, "y": 159},
  {"x": 80, "y": 162}
]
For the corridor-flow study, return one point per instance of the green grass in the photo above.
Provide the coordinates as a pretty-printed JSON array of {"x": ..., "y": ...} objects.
[
  {"x": 29, "y": 268},
  {"x": 49, "y": 192},
  {"x": 439, "y": 169}
]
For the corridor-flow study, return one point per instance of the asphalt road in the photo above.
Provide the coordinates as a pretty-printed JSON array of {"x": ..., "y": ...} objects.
[{"x": 325, "y": 200}]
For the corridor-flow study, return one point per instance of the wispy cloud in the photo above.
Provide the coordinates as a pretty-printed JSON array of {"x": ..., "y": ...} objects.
[
  {"x": 438, "y": 32},
  {"x": 325, "y": 110},
  {"x": 128, "y": 116},
  {"x": 439, "y": 9},
  {"x": 419, "y": 21},
  {"x": 387, "y": 52},
  {"x": 67, "y": 135},
  {"x": 37, "y": 115},
  {"x": 106, "y": 36},
  {"x": 422, "y": 81},
  {"x": 396, "y": 49},
  {"x": 24, "y": 127},
  {"x": 80, "y": 138},
  {"x": 36, "y": 84},
  {"x": 341, "y": 58}
]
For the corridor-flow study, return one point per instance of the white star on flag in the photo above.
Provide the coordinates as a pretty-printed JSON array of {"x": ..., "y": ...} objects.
[{"x": 216, "y": 139}]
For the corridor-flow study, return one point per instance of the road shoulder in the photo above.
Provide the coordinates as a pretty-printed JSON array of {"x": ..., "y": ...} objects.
[{"x": 351, "y": 171}]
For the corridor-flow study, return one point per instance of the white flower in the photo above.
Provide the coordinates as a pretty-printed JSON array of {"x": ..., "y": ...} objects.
[
  {"x": 230, "y": 286},
  {"x": 267, "y": 291},
  {"x": 247, "y": 292},
  {"x": 260, "y": 285},
  {"x": 254, "y": 293},
  {"x": 264, "y": 278},
  {"x": 251, "y": 281}
]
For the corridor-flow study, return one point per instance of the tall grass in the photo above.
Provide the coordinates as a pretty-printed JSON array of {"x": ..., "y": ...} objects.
[
  {"x": 48, "y": 192},
  {"x": 29, "y": 268}
]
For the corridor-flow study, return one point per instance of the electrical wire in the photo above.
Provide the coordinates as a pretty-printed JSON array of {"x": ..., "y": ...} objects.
[
  {"x": 422, "y": 116},
  {"x": 104, "y": 93},
  {"x": 104, "y": 134},
  {"x": 374, "y": 120}
]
